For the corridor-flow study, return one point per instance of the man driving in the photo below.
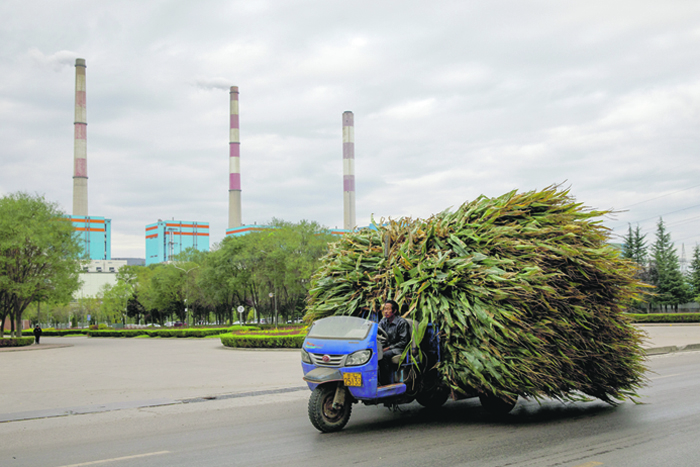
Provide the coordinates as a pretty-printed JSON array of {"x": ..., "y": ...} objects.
[{"x": 398, "y": 336}]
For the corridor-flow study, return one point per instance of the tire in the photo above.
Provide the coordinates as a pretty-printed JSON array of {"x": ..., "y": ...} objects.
[
  {"x": 433, "y": 399},
  {"x": 321, "y": 413},
  {"x": 495, "y": 405}
]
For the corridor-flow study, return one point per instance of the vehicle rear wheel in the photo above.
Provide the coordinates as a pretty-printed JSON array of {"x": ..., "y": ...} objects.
[
  {"x": 321, "y": 412},
  {"x": 495, "y": 405},
  {"x": 433, "y": 399}
]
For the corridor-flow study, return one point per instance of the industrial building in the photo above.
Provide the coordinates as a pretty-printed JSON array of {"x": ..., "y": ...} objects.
[
  {"x": 96, "y": 275},
  {"x": 95, "y": 236},
  {"x": 166, "y": 239}
]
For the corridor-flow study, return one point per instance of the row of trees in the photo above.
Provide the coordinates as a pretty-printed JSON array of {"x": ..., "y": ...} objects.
[
  {"x": 39, "y": 256},
  {"x": 660, "y": 267},
  {"x": 267, "y": 273}
]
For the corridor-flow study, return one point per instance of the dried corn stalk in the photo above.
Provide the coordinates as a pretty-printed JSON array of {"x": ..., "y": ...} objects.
[{"x": 528, "y": 294}]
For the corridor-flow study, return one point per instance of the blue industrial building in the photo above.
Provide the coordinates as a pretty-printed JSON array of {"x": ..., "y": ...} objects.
[
  {"x": 95, "y": 235},
  {"x": 166, "y": 239}
]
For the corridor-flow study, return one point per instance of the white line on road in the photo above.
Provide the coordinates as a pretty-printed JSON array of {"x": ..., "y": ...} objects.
[
  {"x": 667, "y": 376},
  {"x": 117, "y": 459}
]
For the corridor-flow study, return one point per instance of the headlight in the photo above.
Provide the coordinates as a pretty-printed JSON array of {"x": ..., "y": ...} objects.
[
  {"x": 358, "y": 358},
  {"x": 305, "y": 357}
]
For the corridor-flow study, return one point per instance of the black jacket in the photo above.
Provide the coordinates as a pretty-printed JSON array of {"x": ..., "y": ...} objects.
[{"x": 398, "y": 332}]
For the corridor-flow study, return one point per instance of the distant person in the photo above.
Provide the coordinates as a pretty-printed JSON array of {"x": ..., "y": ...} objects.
[
  {"x": 37, "y": 333},
  {"x": 398, "y": 337}
]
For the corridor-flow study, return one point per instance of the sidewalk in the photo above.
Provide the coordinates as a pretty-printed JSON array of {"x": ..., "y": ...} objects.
[
  {"x": 108, "y": 372},
  {"x": 666, "y": 337}
]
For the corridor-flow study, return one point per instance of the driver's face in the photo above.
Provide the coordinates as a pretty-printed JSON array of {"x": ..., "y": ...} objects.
[{"x": 388, "y": 311}]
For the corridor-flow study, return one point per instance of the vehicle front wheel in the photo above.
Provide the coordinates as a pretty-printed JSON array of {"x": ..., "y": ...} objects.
[
  {"x": 495, "y": 405},
  {"x": 321, "y": 412}
]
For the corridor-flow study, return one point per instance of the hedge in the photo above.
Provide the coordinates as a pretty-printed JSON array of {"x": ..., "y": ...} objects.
[
  {"x": 56, "y": 332},
  {"x": 665, "y": 317},
  {"x": 263, "y": 341},
  {"x": 159, "y": 332},
  {"x": 16, "y": 341},
  {"x": 63, "y": 332}
]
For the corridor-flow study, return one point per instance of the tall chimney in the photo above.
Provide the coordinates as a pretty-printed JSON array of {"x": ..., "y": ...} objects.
[
  {"x": 80, "y": 195},
  {"x": 348, "y": 171},
  {"x": 234, "y": 188}
]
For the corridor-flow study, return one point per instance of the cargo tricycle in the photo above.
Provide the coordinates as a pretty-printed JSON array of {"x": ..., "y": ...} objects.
[{"x": 340, "y": 359}]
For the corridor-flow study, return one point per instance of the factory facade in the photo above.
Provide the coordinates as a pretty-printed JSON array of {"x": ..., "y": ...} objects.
[
  {"x": 95, "y": 235},
  {"x": 167, "y": 239}
]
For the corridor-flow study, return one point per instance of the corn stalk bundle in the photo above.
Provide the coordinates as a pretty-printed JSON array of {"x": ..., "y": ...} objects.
[{"x": 526, "y": 291}]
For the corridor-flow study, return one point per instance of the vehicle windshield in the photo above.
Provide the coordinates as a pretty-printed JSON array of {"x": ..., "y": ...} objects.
[{"x": 340, "y": 327}]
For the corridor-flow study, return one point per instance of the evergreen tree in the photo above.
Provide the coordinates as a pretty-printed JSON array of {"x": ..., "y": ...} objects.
[
  {"x": 694, "y": 273},
  {"x": 639, "y": 247},
  {"x": 671, "y": 287},
  {"x": 634, "y": 248},
  {"x": 628, "y": 244}
]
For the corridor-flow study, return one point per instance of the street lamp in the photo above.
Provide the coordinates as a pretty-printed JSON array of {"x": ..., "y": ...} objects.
[
  {"x": 186, "y": 286},
  {"x": 275, "y": 297}
]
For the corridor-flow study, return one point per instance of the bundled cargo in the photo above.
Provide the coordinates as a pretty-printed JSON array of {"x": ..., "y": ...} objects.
[{"x": 526, "y": 291}]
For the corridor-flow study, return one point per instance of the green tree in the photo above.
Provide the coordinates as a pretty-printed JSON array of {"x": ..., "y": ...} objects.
[
  {"x": 222, "y": 281},
  {"x": 244, "y": 271},
  {"x": 694, "y": 273},
  {"x": 281, "y": 262},
  {"x": 635, "y": 246},
  {"x": 39, "y": 255},
  {"x": 114, "y": 302},
  {"x": 671, "y": 287},
  {"x": 86, "y": 309}
]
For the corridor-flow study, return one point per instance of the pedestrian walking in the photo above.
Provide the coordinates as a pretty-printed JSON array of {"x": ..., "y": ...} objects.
[{"x": 37, "y": 333}]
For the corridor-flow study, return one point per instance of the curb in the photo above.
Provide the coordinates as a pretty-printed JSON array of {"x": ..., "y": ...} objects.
[{"x": 671, "y": 349}]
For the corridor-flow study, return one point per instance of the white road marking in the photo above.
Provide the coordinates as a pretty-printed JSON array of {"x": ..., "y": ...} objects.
[{"x": 103, "y": 461}]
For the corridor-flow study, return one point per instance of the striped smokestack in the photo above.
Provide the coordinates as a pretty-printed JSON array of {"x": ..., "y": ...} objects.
[
  {"x": 348, "y": 171},
  {"x": 80, "y": 195},
  {"x": 234, "y": 188}
]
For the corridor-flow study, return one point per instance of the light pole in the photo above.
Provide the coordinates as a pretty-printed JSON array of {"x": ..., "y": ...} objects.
[
  {"x": 275, "y": 297},
  {"x": 186, "y": 287}
]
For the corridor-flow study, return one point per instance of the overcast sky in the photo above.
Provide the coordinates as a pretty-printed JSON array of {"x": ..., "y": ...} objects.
[{"x": 452, "y": 99}]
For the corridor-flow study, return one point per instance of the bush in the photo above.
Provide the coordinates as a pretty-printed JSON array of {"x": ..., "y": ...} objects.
[
  {"x": 16, "y": 342},
  {"x": 282, "y": 326},
  {"x": 159, "y": 332},
  {"x": 263, "y": 341},
  {"x": 665, "y": 317},
  {"x": 63, "y": 332},
  {"x": 55, "y": 332}
]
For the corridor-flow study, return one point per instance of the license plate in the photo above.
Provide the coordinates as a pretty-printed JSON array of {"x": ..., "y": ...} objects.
[{"x": 352, "y": 379}]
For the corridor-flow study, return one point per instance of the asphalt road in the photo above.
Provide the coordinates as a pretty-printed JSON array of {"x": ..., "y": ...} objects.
[
  {"x": 274, "y": 430},
  {"x": 256, "y": 422}
]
